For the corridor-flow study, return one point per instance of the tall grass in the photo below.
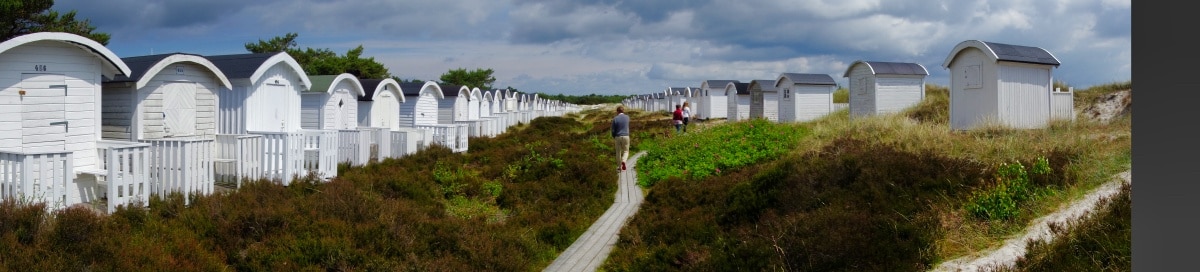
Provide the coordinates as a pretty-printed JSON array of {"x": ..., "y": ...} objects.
[{"x": 1100, "y": 242}]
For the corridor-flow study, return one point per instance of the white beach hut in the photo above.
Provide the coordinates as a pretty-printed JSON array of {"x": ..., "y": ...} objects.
[
  {"x": 884, "y": 87},
  {"x": 1001, "y": 84},
  {"x": 379, "y": 112},
  {"x": 804, "y": 97},
  {"x": 738, "y": 103},
  {"x": 170, "y": 102},
  {"x": 331, "y": 102},
  {"x": 260, "y": 120},
  {"x": 51, "y": 149},
  {"x": 713, "y": 103},
  {"x": 764, "y": 101}
]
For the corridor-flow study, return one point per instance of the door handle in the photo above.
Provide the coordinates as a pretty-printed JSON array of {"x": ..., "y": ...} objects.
[{"x": 58, "y": 123}]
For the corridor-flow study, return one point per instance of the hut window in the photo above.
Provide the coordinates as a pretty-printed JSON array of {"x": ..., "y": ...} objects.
[
  {"x": 787, "y": 94},
  {"x": 973, "y": 76},
  {"x": 341, "y": 102}
]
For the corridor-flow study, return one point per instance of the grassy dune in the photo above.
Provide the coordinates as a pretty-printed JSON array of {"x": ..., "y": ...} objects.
[{"x": 893, "y": 192}]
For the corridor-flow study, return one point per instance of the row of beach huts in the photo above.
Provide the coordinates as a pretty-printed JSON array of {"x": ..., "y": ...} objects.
[
  {"x": 990, "y": 83},
  {"x": 78, "y": 124}
]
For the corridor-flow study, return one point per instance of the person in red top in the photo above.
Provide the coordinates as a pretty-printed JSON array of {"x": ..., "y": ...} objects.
[{"x": 677, "y": 118}]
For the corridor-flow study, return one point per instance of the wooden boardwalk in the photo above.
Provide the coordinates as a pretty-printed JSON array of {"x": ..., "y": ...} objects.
[{"x": 593, "y": 246}]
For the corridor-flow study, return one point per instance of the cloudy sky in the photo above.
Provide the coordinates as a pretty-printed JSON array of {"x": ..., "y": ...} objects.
[{"x": 631, "y": 47}]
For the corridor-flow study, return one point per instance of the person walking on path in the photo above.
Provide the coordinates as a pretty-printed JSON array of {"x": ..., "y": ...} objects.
[
  {"x": 620, "y": 134},
  {"x": 677, "y": 118},
  {"x": 687, "y": 116}
]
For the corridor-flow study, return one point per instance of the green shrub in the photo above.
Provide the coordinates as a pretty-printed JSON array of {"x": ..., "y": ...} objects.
[
  {"x": 1012, "y": 187},
  {"x": 695, "y": 156}
]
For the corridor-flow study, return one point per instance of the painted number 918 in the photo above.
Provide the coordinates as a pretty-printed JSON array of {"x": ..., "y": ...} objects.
[{"x": 39, "y": 68}]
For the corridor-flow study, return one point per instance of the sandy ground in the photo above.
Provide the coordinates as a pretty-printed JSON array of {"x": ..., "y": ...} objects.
[{"x": 1014, "y": 248}]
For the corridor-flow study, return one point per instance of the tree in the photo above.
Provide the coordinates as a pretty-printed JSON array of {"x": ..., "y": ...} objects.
[
  {"x": 479, "y": 78},
  {"x": 276, "y": 44},
  {"x": 401, "y": 80},
  {"x": 322, "y": 61},
  {"x": 20, "y": 17}
]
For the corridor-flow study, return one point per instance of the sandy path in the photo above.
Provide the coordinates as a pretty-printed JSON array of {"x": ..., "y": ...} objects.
[{"x": 1014, "y": 248}]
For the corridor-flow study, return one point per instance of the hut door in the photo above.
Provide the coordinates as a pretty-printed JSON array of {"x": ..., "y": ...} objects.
[
  {"x": 383, "y": 111},
  {"x": 275, "y": 113},
  {"x": 44, "y": 123},
  {"x": 179, "y": 109}
]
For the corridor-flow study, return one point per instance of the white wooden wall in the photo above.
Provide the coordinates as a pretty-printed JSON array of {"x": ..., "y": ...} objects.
[
  {"x": 420, "y": 110},
  {"x": 972, "y": 104},
  {"x": 383, "y": 111},
  {"x": 451, "y": 109},
  {"x": 738, "y": 107},
  {"x": 896, "y": 93},
  {"x": 1024, "y": 100},
  {"x": 341, "y": 109},
  {"x": 862, "y": 91},
  {"x": 118, "y": 110},
  {"x": 193, "y": 83},
  {"x": 1063, "y": 104},
  {"x": 270, "y": 105},
  {"x": 29, "y": 128},
  {"x": 813, "y": 102}
]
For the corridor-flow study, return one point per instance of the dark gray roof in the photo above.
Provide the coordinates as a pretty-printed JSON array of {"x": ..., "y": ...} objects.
[
  {"x": 678, "y": 90},
  {"x": 897, "y": 68},
  {"x": 450, "y": 90},
  {"x": 1019, "y": 53},
  {"x": 719, "y": 83},
  {"x": 138, "y": 66},
  {"x": 411, "y": 88},
  {"x": 240, "y": 65},
  {"x": 369, "y": 86},
  {"x": 810, "y": 79},
  {"x": 766, "y": 85},
  {"x": 742, "y": 88}
]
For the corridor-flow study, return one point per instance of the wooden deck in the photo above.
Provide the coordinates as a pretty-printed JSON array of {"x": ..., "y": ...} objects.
[{"x": 592, "y": 248}]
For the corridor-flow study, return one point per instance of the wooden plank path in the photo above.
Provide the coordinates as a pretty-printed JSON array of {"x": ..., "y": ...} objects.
[{"x": 593, "y": 246}]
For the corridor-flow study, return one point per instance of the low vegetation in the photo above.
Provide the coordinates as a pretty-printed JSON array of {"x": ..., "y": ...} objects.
[
  {"x": 511, "y": 203},
  {"x": 898, "y": 192},
  {"x": 1100, "y": 242}
]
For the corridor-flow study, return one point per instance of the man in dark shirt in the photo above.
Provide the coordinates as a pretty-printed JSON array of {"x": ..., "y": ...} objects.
[{"x": 620, "y": 133}]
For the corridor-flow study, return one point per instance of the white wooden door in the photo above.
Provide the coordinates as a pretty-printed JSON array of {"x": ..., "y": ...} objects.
[
  {"x": 44, "y": 123},
  {"x": 275, "y": 112},
  {"x": 383, "y": 112},
  {"x": 179, "y": 109},
  {"x": 342, "y": 115}
]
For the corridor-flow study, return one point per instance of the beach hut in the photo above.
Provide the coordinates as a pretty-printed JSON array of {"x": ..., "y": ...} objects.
[
  {"x": 420, "y": 111},
  {"x": 713, "y": 103},
  {"x": 379, "y": 114},
  {"x": 170, "y": 102},
  {"x": 764, "y": 101},
  {"x": 884, "y": 87},
  {"x": 380, "y": 104},
  {"x": 260, "y": 120},
  {"x": 738, "y": 103},
  {"x": 331, "y": 102},
  {"x": 51, "y": 149},
  {"x": 804, "y": 97},
  {"x": 999, "y": 84}
]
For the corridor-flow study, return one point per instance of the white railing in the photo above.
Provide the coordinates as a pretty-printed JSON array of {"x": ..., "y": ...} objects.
[
  {"x": 447, "y": 135},
  {"x": 283, "y": 155},
  {"x": 1062, "y": 104},
  {"x": 320, "y": 152},
  {"x": 461, "y": 146},
  {"x": 237, "y": 157},
  {"x": 354, "y": 147},
  {"x": 400, "y": 144},
  {"x": 473, "y": 127},
  {"x": 181, "y": 165},
  {"x": 36, "y": 177},
  {"x": 125, "y": 169},
  {"x": 381, "y": 143},
  {"x": 839, "y": 106}
]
